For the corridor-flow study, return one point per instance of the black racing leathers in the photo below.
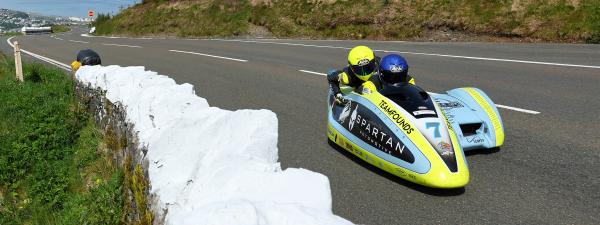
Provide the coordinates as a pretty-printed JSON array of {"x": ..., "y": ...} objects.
[{"x": 344, "y": 76}]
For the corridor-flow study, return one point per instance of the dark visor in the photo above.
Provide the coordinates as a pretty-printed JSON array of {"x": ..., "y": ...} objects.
[
  {"x": 393, "y": 78},
  {"x": 364, "y": 70}
]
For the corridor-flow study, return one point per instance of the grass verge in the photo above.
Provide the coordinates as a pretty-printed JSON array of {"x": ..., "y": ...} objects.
[
  {"x": 60, "y": 28},
  {"x": 12, "y": 34},
  {"x": 54, "y": 165}
]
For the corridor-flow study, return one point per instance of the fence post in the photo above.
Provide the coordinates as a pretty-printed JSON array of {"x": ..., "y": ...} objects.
[{"x": 19, "y": 67}]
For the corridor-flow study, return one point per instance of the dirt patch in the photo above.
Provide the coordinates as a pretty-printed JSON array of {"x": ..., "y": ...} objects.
[
  {"x": 182, "y": 5},
  {"x": 259, "y": 31},
  {"x": 463, "y": 36}
]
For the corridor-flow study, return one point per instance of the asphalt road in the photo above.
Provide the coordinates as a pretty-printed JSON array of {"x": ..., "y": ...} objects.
[{"x": 548, "y": 171}]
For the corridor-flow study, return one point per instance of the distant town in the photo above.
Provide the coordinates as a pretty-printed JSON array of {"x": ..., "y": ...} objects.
[{"x": 13, "y": 21}]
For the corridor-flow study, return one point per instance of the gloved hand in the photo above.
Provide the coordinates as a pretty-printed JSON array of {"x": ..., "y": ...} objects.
[
  {"x": 333, "y": 75},
  {"x": 340, "y": 99}
]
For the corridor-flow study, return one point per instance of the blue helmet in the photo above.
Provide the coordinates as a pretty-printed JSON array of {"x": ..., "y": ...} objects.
[{"x": 394, "y": 69}]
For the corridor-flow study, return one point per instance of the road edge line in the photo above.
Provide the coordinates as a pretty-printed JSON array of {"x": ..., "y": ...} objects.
[
  {"x": 420, "y": 53},
  {"x": 41, "y": 57},
  {"x": 207, "y": 55},
  {"x": 312, "y": 72},
  {"x": 130, "y": 46}
]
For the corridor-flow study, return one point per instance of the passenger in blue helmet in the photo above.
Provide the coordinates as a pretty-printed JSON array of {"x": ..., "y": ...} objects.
[{"x": 394, "y": 70}]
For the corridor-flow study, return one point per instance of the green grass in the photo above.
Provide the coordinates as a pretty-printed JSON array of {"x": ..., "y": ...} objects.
[
  {"x": 220, "y": 18},
  {"x": 52, "y": 166},
  {"x": 60, "y": 28},
  {"x": 12, "y": 34},
  {"x": 560, "y": 20}
]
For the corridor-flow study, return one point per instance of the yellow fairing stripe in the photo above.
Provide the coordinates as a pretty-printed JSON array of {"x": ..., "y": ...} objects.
[
  {"x": 412, "y": 81},
  {"x": 458, "y": 151},
  {"x": 498, "y": 129}
]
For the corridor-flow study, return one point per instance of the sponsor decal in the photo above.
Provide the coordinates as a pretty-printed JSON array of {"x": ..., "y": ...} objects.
[
  {"x": 404, "y": 174},
  {"x": 445, "y": 148},
  {"x": 448, "y": 119},
  {"x": 424, "y": 112},
  {"x": 412, "y": 176},
  {"x": 345, "y": 113},
  {"x": 475, "y": 140},
  {"x": 449, "y": 104},
  {"x": 400, "y": 171},
  {"x": 353, "y": 118},
  {"x": 349, "y": 146},
  {"x": 422, "y": 107},
  {"x": 375, "y": 136},
  {"x": 363, "y": 62},
  {"x": 396, "y": 117},
  {"x": 365, "y": 125},
  {"x": 396, "y": 69}
]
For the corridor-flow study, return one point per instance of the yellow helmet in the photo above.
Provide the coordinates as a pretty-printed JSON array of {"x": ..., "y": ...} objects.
[
  {"x": 362, "y": 62},
  {"x": 75, "y": 66}
]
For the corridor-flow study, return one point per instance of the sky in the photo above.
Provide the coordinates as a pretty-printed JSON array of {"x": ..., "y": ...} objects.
[{"x": 78, "y": 8}]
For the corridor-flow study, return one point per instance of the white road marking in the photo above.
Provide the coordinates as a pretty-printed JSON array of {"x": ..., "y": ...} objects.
[
  {"x": 497, "y": 105},
  {"x": 119, "y": 37},
  {"x": 43, "y": 58},
  {"x": 57, "y": 38},
  {"x": 85, "y": 42},
  {"x": 324, "y": 40},
  {"x": 282, "y": 43},
  {"x": 214, "y": 56},
  {"x": 508, "y": 107},
  {"x": 501, "y": 60},
  {"x": 130, "y": 46},
  {"x": 421, "y": 53},
  {"x": 517, "y": 109},
  {"x": 317, "y": 73}
]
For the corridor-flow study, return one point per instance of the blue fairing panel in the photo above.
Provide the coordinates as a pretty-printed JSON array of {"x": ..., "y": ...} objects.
[{"x": 468, "y": 117}]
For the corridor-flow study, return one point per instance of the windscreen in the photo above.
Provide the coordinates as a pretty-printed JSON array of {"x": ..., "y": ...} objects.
[{"x": 410, "y": 97}]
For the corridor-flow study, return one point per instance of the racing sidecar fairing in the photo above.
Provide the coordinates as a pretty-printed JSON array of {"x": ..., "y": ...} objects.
[
  {"x": 473, "y": 114},
  {"x": 415, "y": 135}
]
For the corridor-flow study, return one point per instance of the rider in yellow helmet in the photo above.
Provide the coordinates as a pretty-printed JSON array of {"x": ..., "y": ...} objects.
[
  {"x": 86, "y": 57},
  {"x": 362, "y": 65}
]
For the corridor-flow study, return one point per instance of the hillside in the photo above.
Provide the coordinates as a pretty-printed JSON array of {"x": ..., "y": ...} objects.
[{"x": 550, "y": 20}]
